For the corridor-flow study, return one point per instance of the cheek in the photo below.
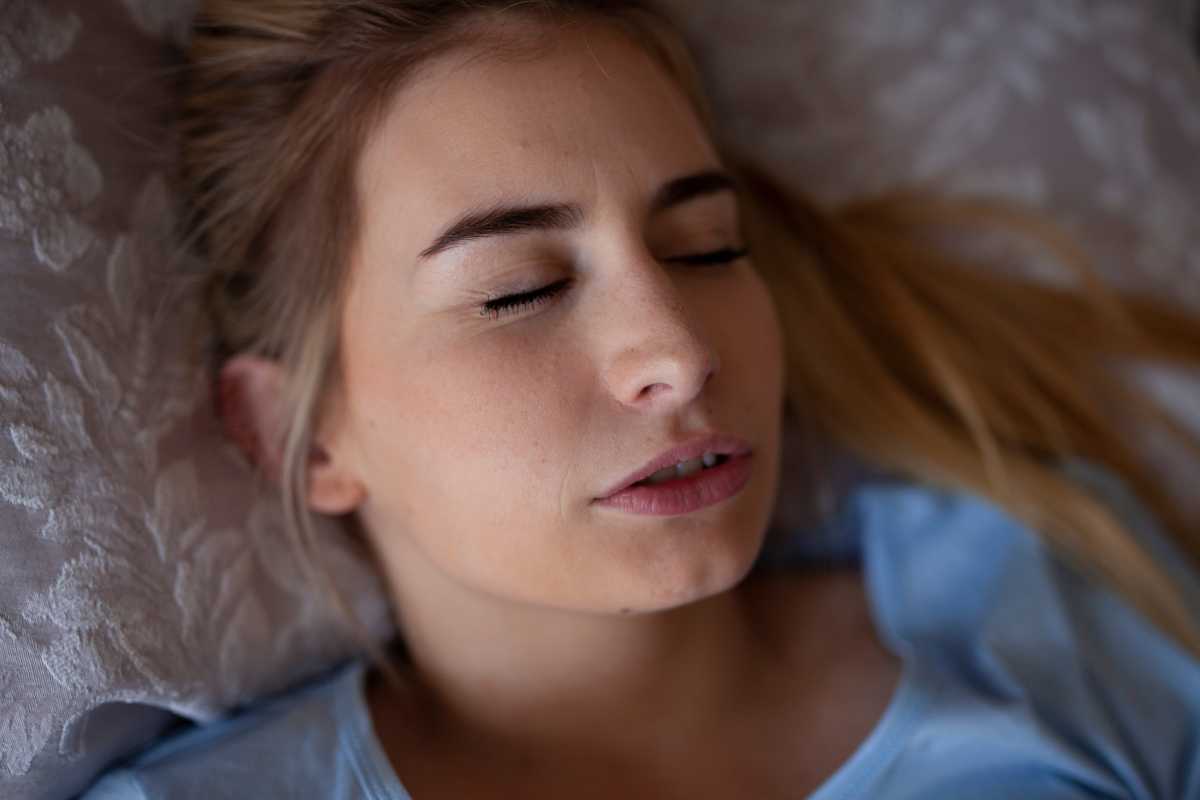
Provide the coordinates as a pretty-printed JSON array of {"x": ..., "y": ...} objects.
[
  {"x": 470, "y": 439},
  {"x": 511, "y": 406},
  {"x": 750, "y": 340},
  {"x": 472, "y": 446}
]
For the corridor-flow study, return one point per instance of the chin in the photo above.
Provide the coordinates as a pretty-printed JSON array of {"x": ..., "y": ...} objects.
[{"x": 696, "y": 572}]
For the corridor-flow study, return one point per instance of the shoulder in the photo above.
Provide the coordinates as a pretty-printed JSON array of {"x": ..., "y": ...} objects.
[
  {"x": 941, "y": 561},
  {"x": 310, "y": 742},
  {"x": 969, "y": 591}
]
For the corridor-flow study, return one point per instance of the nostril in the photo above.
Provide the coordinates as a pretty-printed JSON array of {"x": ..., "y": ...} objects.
[{"x": 655, "y": 389}]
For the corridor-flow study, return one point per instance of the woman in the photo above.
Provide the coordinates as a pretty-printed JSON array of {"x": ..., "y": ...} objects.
[{"x": 485, "y": 287}]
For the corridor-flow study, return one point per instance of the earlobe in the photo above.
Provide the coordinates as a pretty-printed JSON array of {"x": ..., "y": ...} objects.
[
  {"x": 332, "y": 489},
  {"x": 333, "y": 486}
]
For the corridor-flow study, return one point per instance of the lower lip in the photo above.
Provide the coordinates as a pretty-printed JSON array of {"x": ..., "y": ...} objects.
[{"x": 684, "y": 495}]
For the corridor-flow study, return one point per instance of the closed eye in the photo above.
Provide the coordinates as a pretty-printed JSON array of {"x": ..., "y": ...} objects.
[
  {"x": 517, "y": 302},
  {"x": 723, "y": 256}
]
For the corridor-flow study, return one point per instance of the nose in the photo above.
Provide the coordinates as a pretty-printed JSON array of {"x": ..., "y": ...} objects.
[{"x": 657, "y": 358}]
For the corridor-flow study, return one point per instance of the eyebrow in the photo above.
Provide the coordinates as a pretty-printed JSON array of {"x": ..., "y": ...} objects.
[{"x": 507, "y": 219}]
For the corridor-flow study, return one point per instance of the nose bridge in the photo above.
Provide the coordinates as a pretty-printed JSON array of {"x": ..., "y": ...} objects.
[{"x": 657, "y": 353}]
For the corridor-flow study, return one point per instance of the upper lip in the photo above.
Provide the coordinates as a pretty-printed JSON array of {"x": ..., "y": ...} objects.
[{"x": 717, "y": 443}]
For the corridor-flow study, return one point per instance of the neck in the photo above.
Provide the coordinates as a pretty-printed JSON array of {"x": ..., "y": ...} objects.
[{"x": 547, "y": 680}]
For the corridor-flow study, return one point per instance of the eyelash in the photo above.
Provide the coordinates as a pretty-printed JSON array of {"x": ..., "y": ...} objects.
[{"x": 514, "y": 303}]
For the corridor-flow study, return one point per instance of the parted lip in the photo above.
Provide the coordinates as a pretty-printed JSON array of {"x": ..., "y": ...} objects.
[{"x": 717, "y": 443}]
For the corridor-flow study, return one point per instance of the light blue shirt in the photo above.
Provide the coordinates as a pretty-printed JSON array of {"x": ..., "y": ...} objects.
[{"x": 1021, "y": 679}]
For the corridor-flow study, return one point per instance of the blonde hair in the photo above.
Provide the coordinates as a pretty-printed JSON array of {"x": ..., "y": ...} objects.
[{"x": 944, "y": 373}]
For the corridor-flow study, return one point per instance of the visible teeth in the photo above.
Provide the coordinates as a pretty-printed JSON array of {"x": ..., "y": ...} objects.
[
  {"x": 664, "y": 474},
  {"x": 680, "y": 470}
]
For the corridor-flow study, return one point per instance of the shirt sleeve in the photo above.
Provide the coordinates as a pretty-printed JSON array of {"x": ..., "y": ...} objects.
[
  {"x": 1093, "y": 684},
  {"x": 1141, "y": 523},
  {"x": 1157, "y": 702}
]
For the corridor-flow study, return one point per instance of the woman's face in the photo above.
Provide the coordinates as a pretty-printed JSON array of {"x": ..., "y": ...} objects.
[{"x": 479, "y": 436}]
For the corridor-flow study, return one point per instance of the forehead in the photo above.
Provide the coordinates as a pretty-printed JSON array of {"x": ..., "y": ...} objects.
[{"x": 584, "y": 109}]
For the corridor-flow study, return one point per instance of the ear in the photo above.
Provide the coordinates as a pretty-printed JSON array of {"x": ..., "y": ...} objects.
[{"x": 250, "y": 389}]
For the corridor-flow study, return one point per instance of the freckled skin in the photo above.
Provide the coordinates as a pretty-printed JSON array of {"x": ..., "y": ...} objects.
[
  {"x": 507, "y": 429},
  {"x": 471, "y": 446},
  {"x": 551, "y": 638},
  {"x": 548, "y": 639}
]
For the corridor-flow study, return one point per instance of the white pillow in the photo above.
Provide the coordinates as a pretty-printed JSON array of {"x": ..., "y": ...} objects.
[{"x": 139, "y": 575}]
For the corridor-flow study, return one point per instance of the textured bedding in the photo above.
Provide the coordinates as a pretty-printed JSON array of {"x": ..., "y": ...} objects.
[{"x": 144, "y": 580}]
